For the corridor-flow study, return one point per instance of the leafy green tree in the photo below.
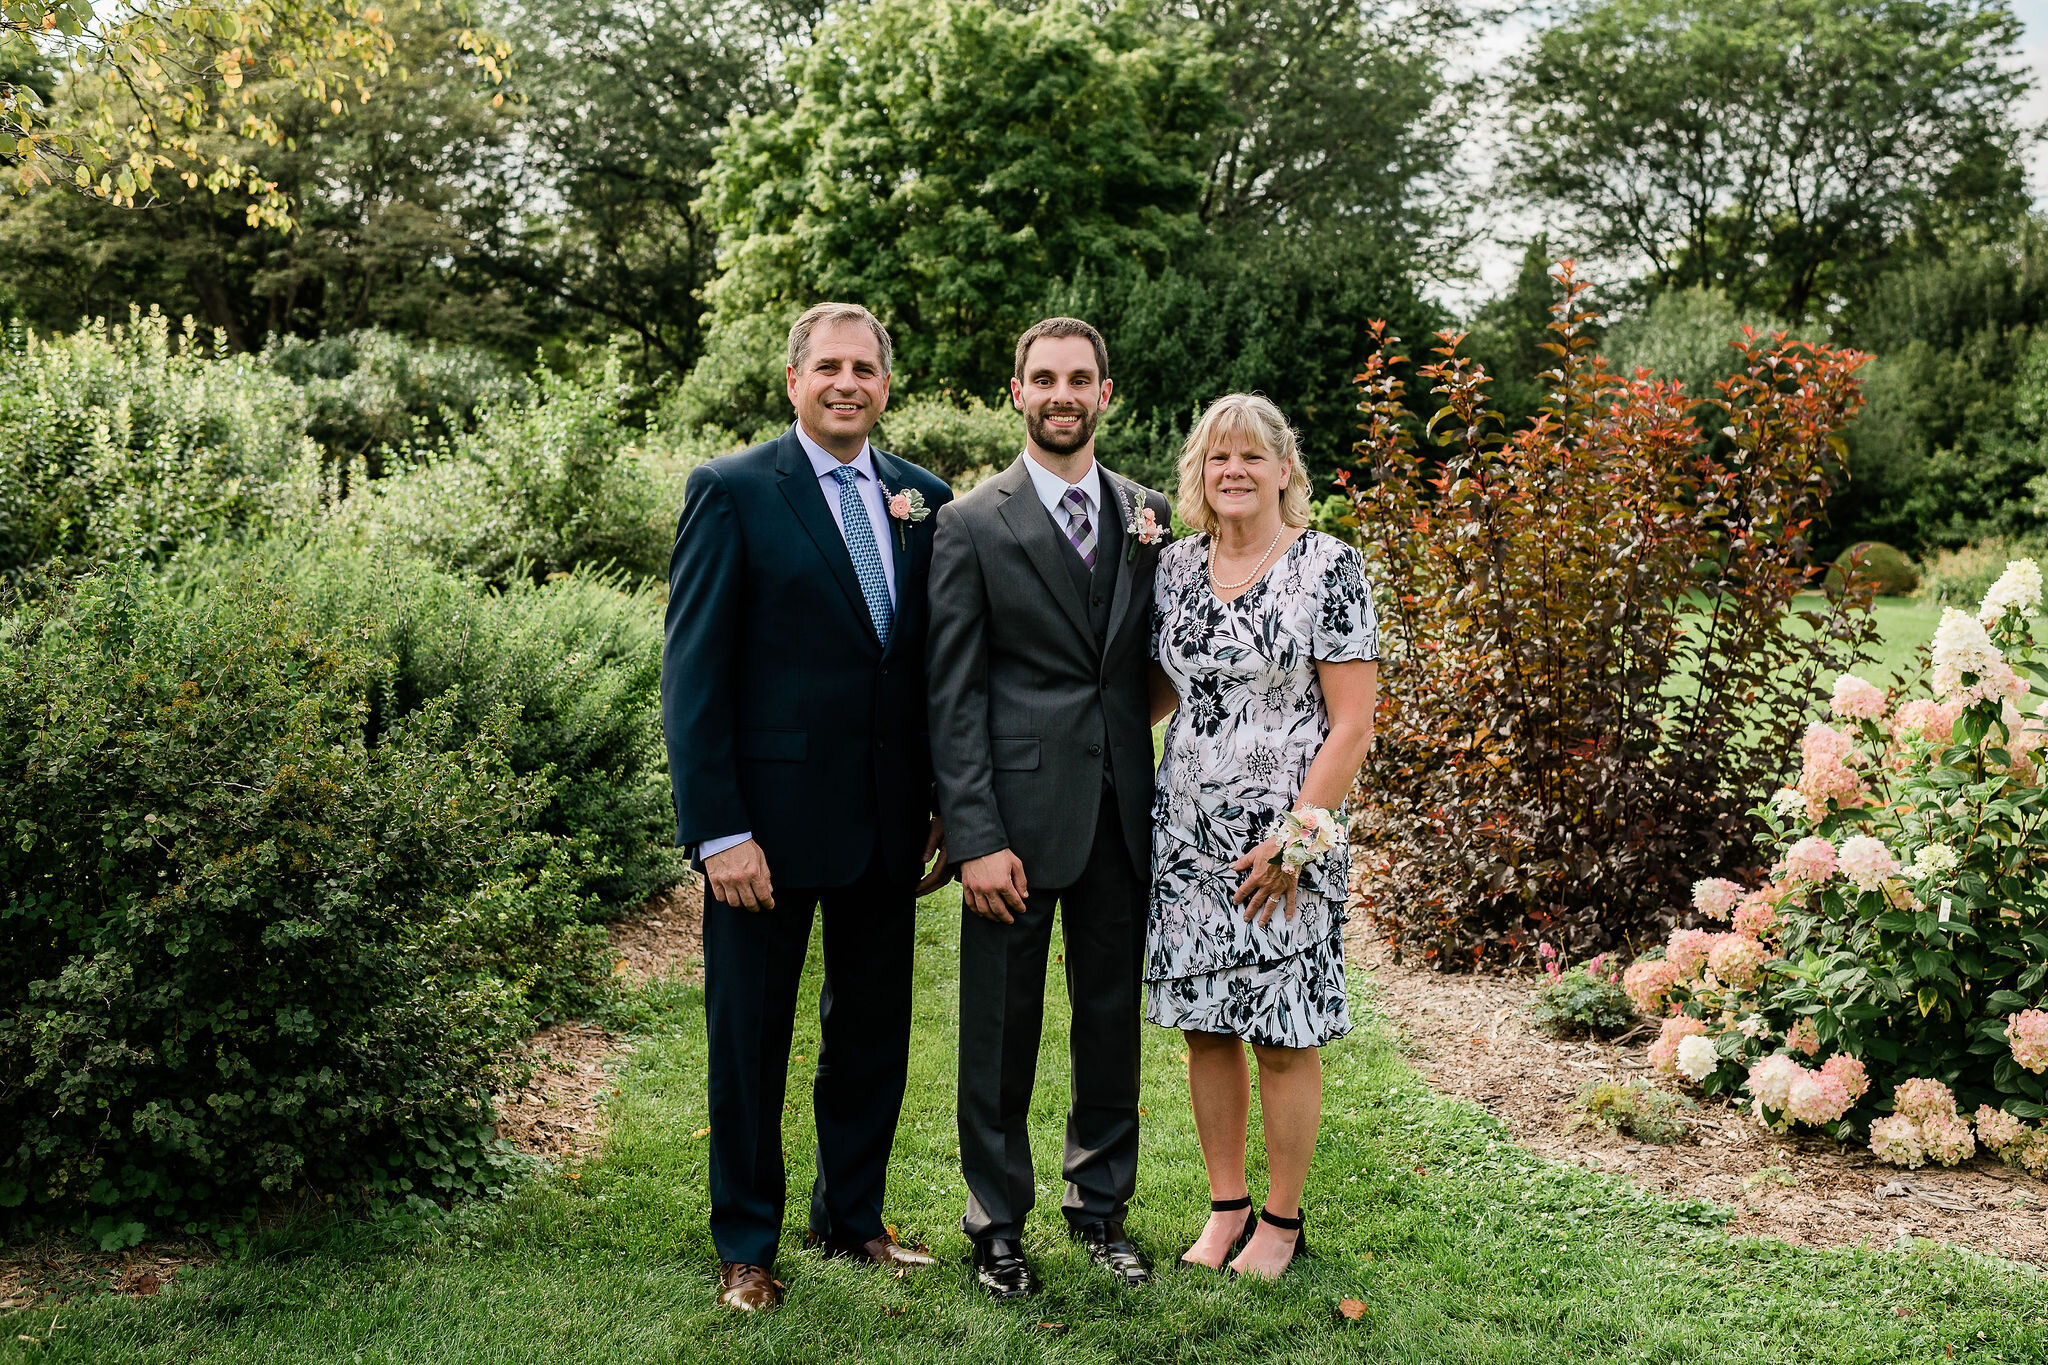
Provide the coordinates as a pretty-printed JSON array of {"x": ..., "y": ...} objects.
[
  {"x": 944, "y": 164},
  {"x": 624, "y": 105},
  {"x": 388, "y": 193},
  {"x": 182, "y": 90},
  {"x": 1952, "y": 437},
  {"x": 1507, "y": 336},
  {"x": 1784, "y": 151}
]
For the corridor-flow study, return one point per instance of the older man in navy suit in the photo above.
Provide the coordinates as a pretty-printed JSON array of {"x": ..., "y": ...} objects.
[{"x": 793, "y": 700}]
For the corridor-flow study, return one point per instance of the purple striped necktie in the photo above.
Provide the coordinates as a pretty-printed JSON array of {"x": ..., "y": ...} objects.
[{"x": 1080, "y": 530}]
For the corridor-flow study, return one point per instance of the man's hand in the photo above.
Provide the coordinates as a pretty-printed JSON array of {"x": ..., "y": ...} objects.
[
  {"x": 993, "y": 887},
  {"x": 934, "y": 847},
  {"x": 739, "y": 876}
]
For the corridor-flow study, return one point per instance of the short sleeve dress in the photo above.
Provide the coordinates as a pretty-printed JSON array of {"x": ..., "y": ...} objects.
[{"x": 1251, "y": 720}]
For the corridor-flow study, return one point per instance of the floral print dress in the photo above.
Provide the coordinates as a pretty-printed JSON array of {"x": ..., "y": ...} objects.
[{"x": 1251, "y": 720}]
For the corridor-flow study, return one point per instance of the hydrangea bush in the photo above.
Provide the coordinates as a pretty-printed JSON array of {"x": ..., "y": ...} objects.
[{"x": 1886, "y": 982}]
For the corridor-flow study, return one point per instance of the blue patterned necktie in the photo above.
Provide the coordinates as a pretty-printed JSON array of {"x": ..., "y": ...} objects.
[{"x": 867, "y": 556}]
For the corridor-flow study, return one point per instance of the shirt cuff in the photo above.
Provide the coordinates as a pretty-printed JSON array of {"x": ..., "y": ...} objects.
[{"x": 712, "y": 847}]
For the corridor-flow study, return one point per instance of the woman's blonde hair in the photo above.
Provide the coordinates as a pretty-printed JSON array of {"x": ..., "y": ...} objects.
[{"x": 1253, "y": 417}]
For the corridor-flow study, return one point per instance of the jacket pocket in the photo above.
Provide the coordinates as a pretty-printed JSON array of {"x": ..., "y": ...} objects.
[
  {"x": 773, "y": 746},
  {"x": 1014, "y": 754}
]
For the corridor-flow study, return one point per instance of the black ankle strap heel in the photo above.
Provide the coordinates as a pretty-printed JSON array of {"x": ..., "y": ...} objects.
[
  {"x": 1226, "y": 1205},
  {"x": 1293, "y": 1225}
]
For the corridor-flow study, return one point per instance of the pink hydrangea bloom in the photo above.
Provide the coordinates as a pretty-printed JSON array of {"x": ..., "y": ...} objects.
[
  {"x": 1737, "y": 959},
  {"x": 1756, "y": 917},
  {"x": 1687, "y": 952},
  {"x": 1947, "y": 1138},
  {"x": 1816, "y": 1097},
  {"x": 1897, "y": 1139},
  {"x": 2030, "y": 1152},
  {"x": 1849, "y": 1071},
  {"x": 1827, "y": 757},
  {"x": 2027, "y": 1032},
  {"x": 1997, "y": 1129},
  {"x": 1715, "y": 897},
  {"x": 1648, "y": 984},
  {"x": 1811, "y": 860},
  {"x": 1867, "y": 862},
  {"x": 1803, "y": 1037},
  {"x": 1932, "y": 721},
  {"x": 1770, "y": 1080},
  {"x": 1856, "y": 699},
  {"x": 1664, "y": 1052},
  {"x": 1921, "y": 1099}
]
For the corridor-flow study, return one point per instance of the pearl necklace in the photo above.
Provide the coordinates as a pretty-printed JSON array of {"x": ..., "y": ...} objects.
[{"x": 1257, "y": 569}]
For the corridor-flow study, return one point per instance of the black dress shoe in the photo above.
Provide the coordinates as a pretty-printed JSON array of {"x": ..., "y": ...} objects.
[
  {"x": 1109, "y": 1248},
  {"x": 1002, "y": 1271}
]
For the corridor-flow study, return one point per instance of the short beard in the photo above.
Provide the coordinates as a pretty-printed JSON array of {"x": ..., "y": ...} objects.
[{"x": 1045, "y": 438}]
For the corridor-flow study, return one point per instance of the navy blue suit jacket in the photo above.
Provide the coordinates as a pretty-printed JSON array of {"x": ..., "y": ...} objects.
[{"x": 783, "y": 713}]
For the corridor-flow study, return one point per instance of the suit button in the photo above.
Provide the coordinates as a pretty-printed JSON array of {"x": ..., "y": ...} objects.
[{"x": 1095, "y": 748}]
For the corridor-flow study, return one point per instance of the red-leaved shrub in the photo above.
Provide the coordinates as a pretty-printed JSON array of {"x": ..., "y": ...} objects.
[{"x": 1595, "y": 659}]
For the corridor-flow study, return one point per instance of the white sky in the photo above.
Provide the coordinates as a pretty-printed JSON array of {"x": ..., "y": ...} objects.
[{"x": 1496, "y": 255}]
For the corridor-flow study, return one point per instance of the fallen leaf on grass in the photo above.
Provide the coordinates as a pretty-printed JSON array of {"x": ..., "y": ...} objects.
[
  {"x": 146, "y": 1284},
  {"x": 1354, "y": 1309},
  {"x": 701, "y": 1132},
  {"x": 894, "y": 1312},
  {"x": 1053, "y": 1326},
  {"x": 1420, "y": 1171},
  {"x": 1901, "y": 1312}
]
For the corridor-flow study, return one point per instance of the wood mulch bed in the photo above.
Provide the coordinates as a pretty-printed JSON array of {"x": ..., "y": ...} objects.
[{"x": 1467, "y": 1036}]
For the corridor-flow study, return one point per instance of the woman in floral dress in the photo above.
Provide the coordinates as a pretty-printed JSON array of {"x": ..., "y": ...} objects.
[{"x": 1266, "y": 649}]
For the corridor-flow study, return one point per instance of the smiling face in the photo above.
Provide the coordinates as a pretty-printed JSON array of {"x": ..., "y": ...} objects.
[
  {"x": 1062, "y": 394},
  {"x": 840, "y": 389},
  {"x": 1242, "y": 480}
]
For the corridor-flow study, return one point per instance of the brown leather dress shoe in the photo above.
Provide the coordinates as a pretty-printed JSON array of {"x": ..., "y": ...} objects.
[
  {"x": 748, "y": 1288},
  {"x": 885, "y": 1251}
]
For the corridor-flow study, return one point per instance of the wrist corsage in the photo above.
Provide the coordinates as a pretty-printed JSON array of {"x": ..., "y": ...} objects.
[{"x": 1303, "y": 836}]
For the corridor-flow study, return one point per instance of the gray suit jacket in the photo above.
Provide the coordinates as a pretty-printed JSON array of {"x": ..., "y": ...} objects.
[{"x": 1028, "y": 711}]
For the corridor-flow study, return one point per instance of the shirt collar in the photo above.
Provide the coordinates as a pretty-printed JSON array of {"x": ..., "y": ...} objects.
[
  {"x": 823, "y": 461},
  {"x": 1051, "y": 487}
]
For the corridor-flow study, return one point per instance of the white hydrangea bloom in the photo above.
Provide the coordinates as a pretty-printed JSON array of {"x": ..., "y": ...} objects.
[
  {"x": 1960, "y": 646},
  {"x": 1935, "y": 860},
  {"x": 1697, "y": 1058},
  {"x": 2019, "y": 587},
  {"x": 1788, "y": 802}
]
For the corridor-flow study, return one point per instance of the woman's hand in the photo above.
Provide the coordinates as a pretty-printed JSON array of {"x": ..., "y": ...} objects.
[{"x": 1268, "y": 887}]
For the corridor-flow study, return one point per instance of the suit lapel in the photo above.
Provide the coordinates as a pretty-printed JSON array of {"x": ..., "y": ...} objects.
[
  {"x": 1042, "y": 543},
  {"x": 799, "y": 483},
  {"x": 1118, "y": 493}
]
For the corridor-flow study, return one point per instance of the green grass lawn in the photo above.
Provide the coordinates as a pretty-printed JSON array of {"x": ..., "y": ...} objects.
[{"x": 1463, "y": 1247}]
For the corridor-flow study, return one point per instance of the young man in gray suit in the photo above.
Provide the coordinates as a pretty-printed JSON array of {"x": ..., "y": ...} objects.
[{"x": 1041, "y": 616}]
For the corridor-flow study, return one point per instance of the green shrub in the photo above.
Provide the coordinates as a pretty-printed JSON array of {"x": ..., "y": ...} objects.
[
  {"x": 568, "y": 672},
  {"x": 1890, "y": 571},
  {"x": 255, "y": 936},
  {"x": 1962, "y": 576},
  {"x": 368, "y": 391},
  {"x": 538, "y": 488},
  {"x": 1684, "y": 335},
  {"x": 961, "y": 443},
  {"x": 1586, "y": 1001},
  {"x": 126, "y": 443},
  {"x": 1635, "y": 1107}
]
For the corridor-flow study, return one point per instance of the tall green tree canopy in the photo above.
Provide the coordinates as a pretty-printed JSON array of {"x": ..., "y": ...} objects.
[
  {"x": 943, "y": 164},
  {"x": 1783, "y": 151}
]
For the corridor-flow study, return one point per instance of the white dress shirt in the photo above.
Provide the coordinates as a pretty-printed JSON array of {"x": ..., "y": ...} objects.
[
  {"x": 1052, "y": 488},
  {"x": 869, "y": 485}
]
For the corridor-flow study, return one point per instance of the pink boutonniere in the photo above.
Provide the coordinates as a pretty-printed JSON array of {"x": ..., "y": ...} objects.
[
  {"x": 1144, "y": 524},
  {"x": 906, "y": 509}
]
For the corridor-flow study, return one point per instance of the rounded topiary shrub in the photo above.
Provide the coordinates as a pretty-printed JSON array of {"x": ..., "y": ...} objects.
[
  {"x": 1892, "y": 572},
  {"x": 243, "y": 946}
]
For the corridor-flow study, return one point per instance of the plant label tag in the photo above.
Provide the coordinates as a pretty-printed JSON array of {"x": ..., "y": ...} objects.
[{"x": 1943, "y": 917}]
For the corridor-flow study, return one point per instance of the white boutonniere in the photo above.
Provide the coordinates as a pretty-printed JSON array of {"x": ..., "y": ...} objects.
[
  {"x": 1144, "y": 527},
  {"x": 906, "y": 509}
]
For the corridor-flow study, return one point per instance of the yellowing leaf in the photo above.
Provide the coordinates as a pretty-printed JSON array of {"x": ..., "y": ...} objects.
[{"x": 1354, "y": 1309}]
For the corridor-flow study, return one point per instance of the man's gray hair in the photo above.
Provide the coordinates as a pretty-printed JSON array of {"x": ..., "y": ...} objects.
[{"x": 800, "y": 332}]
